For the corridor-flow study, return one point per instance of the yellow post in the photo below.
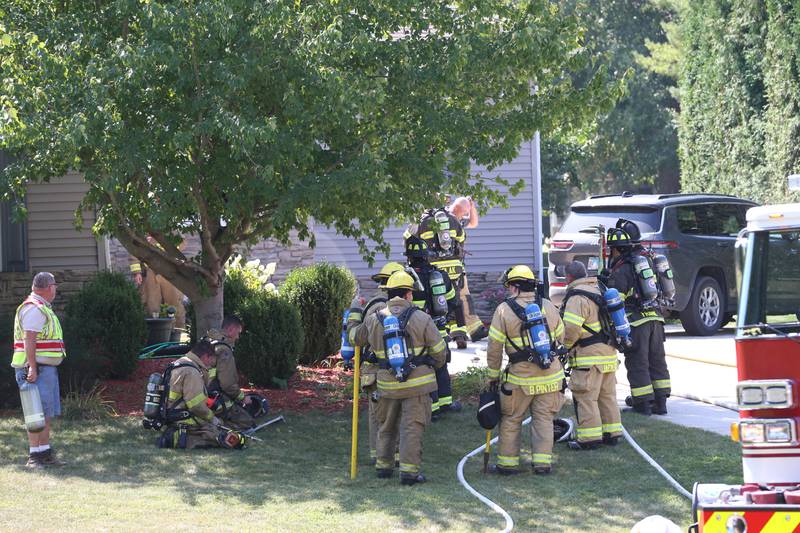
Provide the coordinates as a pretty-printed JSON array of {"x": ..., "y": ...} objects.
[
  {"x": 356, "y": 387},
  {"x": 487, "y": 451}
]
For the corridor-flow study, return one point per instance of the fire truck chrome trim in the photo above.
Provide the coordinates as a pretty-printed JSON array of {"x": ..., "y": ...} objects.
[
  {"x": 768, "y": 432},
  {"x": 765, "y": 394}
]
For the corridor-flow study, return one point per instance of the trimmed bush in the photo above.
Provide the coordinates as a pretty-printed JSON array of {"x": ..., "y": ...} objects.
[
  {"x": 104, "y": 329},
  {"x": 321, "y": 293}
]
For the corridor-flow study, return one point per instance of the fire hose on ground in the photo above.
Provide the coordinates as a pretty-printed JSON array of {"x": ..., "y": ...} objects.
[{"x": 502, "y": 512}]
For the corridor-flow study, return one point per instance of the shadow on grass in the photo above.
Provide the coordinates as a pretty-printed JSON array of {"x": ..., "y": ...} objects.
[{"x": 307, "y": 461}]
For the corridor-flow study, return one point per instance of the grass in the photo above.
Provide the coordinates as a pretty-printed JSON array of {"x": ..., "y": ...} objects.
[{"x": 298, "y": 481}]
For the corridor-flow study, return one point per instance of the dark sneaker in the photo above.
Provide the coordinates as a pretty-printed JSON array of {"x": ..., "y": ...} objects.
[
  {"x": 502, "y": 470},
  {"x": 34, "y": 461},
  {"x": 575, "y": 445},
  {"x": 609, "y": 440},
  {"x": 480, "y": 333},
  {"x": 384, "y": 473},
  {"x": 542, "y": 470},
  {"x": 412, "y": 479},
  {"x": 48, "y": 458}
]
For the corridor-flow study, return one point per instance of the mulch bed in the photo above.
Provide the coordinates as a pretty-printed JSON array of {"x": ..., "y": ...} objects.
[{"x": 327, "y": 389}]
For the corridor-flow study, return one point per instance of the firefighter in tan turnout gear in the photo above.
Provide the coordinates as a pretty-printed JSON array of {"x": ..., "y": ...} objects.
[
  {"x": 404, "y": 404},
  {"x": 187, "y": 394},
  {"x": 369, "y": 364},
  {"x": 526, "y": 385},
  {"x": 593, "y": 362}
]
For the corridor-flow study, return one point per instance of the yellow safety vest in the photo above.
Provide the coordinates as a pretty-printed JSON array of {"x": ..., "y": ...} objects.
[{"x": 49, "y": 341}]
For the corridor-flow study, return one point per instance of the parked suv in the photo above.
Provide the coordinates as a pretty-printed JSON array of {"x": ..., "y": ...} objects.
[{"x": 696, "y": 232}]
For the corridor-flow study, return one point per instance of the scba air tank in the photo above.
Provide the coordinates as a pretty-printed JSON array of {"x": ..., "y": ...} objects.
[
  {"x": 646, "y": 277},
  {"x": 348, "y": 350},
  {"x": 537, "y": 334},
  {"x": 438, "y": 293},
  {"x": 616, "y": 309},
  {"x": 395, "y": 346},
  {"x": 152, "y": 395},
  {"x": 443, "y": 230},
  {"x": 32, "y": 409},
  {"x": 664, "y": 272}
]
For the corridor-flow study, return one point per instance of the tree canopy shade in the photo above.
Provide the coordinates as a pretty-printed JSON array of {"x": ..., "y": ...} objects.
[{"x": 238, "y": 120}]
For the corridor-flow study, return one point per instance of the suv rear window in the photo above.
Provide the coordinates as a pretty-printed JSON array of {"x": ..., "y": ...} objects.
[
  {"x": 648, "y": 220},
  {"x": 716, "y": 220}
]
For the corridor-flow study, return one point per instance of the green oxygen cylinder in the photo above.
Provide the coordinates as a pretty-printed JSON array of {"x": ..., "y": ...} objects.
[{"x": 32, "y": 409}]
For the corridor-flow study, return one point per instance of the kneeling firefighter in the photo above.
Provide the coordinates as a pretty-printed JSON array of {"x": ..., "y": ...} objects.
[
  {"x": 369, "y": 361},
  {"x": 530, "y": 330},
  {"x": 408, "y": 347},
  {"x": 439, "y": 299},
  {"x": 236, "y": 409},
  {"x": 190, "y": 423},
  {"x": 593, "y": 361}
]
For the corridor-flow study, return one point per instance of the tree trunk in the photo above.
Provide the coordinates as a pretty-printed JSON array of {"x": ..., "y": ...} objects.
[{"x": 208, "y": 312}]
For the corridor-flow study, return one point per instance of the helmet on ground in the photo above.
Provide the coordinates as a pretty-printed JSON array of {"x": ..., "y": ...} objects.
[
  {"x": 631, "y": 229},
  {"x": 416, "y": 247},
  {"x": 386, "y": 270},
  {"x": 618, "y": 238},
  {"x": 400, "y": 280},
  {"x": 518, "y": 273},
  {"x": 258, "y": 406},
  {"x": 563, "y": 429}
]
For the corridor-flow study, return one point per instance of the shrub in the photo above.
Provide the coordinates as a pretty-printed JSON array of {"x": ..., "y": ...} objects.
[
  {"x": 321, "y": 293},
  {"x": 268, "y": 349},
  {"x": 87, "y": 405},
  {"x": 104, "y": 329},
  {"x": 9, "y": 392},
  {"x": 468, "y": 384}
]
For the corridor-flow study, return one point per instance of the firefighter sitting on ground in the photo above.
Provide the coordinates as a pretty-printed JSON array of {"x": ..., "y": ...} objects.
[
  {"x": 404, "y": 404},
  {"x": 236, "y": 409},
  {"x": 526, "y": 384},
  {"x": 438, "y": 298},
  {"x": 369, "y": 364},
  {"x": 187, "y": 393},
  {"x": 593, "y": 362}
]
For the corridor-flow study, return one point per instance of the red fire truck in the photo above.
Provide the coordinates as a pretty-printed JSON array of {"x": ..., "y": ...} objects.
[{"x": 768, "y": 392}]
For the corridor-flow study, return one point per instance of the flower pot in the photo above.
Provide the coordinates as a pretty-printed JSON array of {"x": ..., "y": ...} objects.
[{"x": 158, "y": 330}]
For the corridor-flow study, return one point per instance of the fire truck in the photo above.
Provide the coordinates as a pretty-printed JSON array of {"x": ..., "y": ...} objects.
[{"x": 768, "y": 390}]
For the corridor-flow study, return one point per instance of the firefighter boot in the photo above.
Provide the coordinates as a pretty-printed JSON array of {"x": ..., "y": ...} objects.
[
  {"x": 660, "y": 405},
  {"x": 411, "y": 479},
  {"x": 480, "y": 333},
  {"x": 643, "y": 408},
  {"x": 609, "y": 440},
  {"x": 34, "y": 461},
  {"x": 48, "y": 458},
  {"x": 503, "y": 471},
  {"x": 576, "y": 445},
  {"x": 384, "y": 473}
]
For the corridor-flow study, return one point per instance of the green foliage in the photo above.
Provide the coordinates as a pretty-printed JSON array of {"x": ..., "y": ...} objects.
[
  {"x": 9, "y": 392},
  {"x": 87, "y": 405},
  {"x": 739, "y": 124},
  {"x": 104, "y": 329},
  {"x": 238, "y": 120},
  {"x": 321, "y": 293},
  {"x": 470, "y": 383}
]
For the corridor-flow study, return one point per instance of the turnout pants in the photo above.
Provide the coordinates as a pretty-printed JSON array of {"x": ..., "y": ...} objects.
[
  {"x": 514, "y": 409},
  {"x": 646, "y": 363},
  {"x": 191, "y": 436},
  {"x": 235, "y": 417},
  {"x": 471, "y": 321},
  {"x": 443, "y": 397},
  {"x": 595, "y": 395},
  {"x": 402, "y": 420},
  {"x": 372, "y": 403}
]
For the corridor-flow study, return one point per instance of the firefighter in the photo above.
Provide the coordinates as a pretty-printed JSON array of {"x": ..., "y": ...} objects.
[
  {"x": 404, "y": 405},
  {"x": 438, "y": 306},
  {"x": 593, "y": 362},
  {"x": 156, "y": 290},
  {"x": 526, "y": 385},
  {"x": 369, "y": 362},
  {"x": 443, "y": 230},
  {"x": 230, "y": 403},
  {"x": 187, "y": 391},
  {"x": 645, "y": 360}
]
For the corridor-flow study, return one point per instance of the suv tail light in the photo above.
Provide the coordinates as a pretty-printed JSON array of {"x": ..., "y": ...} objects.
[
  {"x": 562, "y": 245},
  {"x": 660, "y": 245}
]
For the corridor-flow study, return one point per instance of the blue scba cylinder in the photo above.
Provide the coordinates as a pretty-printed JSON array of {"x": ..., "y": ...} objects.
[
  {"x": 616, "y": 308},
  {"x": 348, "y": 351},
  {"x": 394, "y": 344},
  {"x": 537, "y": 333}
]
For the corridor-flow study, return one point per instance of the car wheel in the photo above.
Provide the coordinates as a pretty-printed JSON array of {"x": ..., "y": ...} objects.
[{"x": 705, "y": 313}]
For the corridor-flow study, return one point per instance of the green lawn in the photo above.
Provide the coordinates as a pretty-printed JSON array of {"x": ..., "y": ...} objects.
[{"x": 298, "y": 481}]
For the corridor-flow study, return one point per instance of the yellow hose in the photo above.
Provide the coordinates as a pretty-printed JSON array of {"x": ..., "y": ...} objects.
[{"x": 356, "y": 386}]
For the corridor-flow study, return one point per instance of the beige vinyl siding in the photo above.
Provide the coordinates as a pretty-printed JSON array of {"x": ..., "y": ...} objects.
[
  {"x": 503, "y": 238},
  {"x": 53, "y": 241}
]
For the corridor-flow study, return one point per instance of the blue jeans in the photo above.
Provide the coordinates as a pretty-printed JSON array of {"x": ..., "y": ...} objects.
[{"x": 47, "y": 382}]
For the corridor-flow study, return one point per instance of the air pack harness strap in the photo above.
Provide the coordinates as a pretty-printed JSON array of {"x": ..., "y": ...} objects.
[
  {"x": 596, "y": 337},
  {"x": 524, "y": 353},
  {"x": 172, "y": 414},
  {"x": 411, "y": 362}
]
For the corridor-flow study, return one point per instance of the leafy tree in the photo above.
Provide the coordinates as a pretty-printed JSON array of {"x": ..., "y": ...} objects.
[{"x": 238, "y": 120}]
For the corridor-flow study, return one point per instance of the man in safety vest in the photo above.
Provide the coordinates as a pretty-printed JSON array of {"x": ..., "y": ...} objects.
[
  {"x": 645, "y": 360},
  {"x": 187, "y": 392},
  {"x": 526, "y": 385},
  {"x": 38, "y": 350},
  {"x": 593, "y": 362},
  {"x": 404, "y": 405},
  {"x": 369, "y": 361}
]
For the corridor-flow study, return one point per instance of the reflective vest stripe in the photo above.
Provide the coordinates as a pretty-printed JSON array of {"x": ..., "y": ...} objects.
[{"x": 49, "y": 341}]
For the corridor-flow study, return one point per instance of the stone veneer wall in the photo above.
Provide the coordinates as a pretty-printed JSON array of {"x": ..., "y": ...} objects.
[{"x": 15, "y": 286}]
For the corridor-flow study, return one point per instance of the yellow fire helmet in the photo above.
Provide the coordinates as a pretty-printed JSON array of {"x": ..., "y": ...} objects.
[
  {"x": 400, "y": 280},
  {"x": 518, "y": 273},
  {"x": 387, "y": 270}
]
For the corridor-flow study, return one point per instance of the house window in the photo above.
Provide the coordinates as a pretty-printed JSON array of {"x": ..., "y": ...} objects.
[{"x": 13, "y": 235}]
